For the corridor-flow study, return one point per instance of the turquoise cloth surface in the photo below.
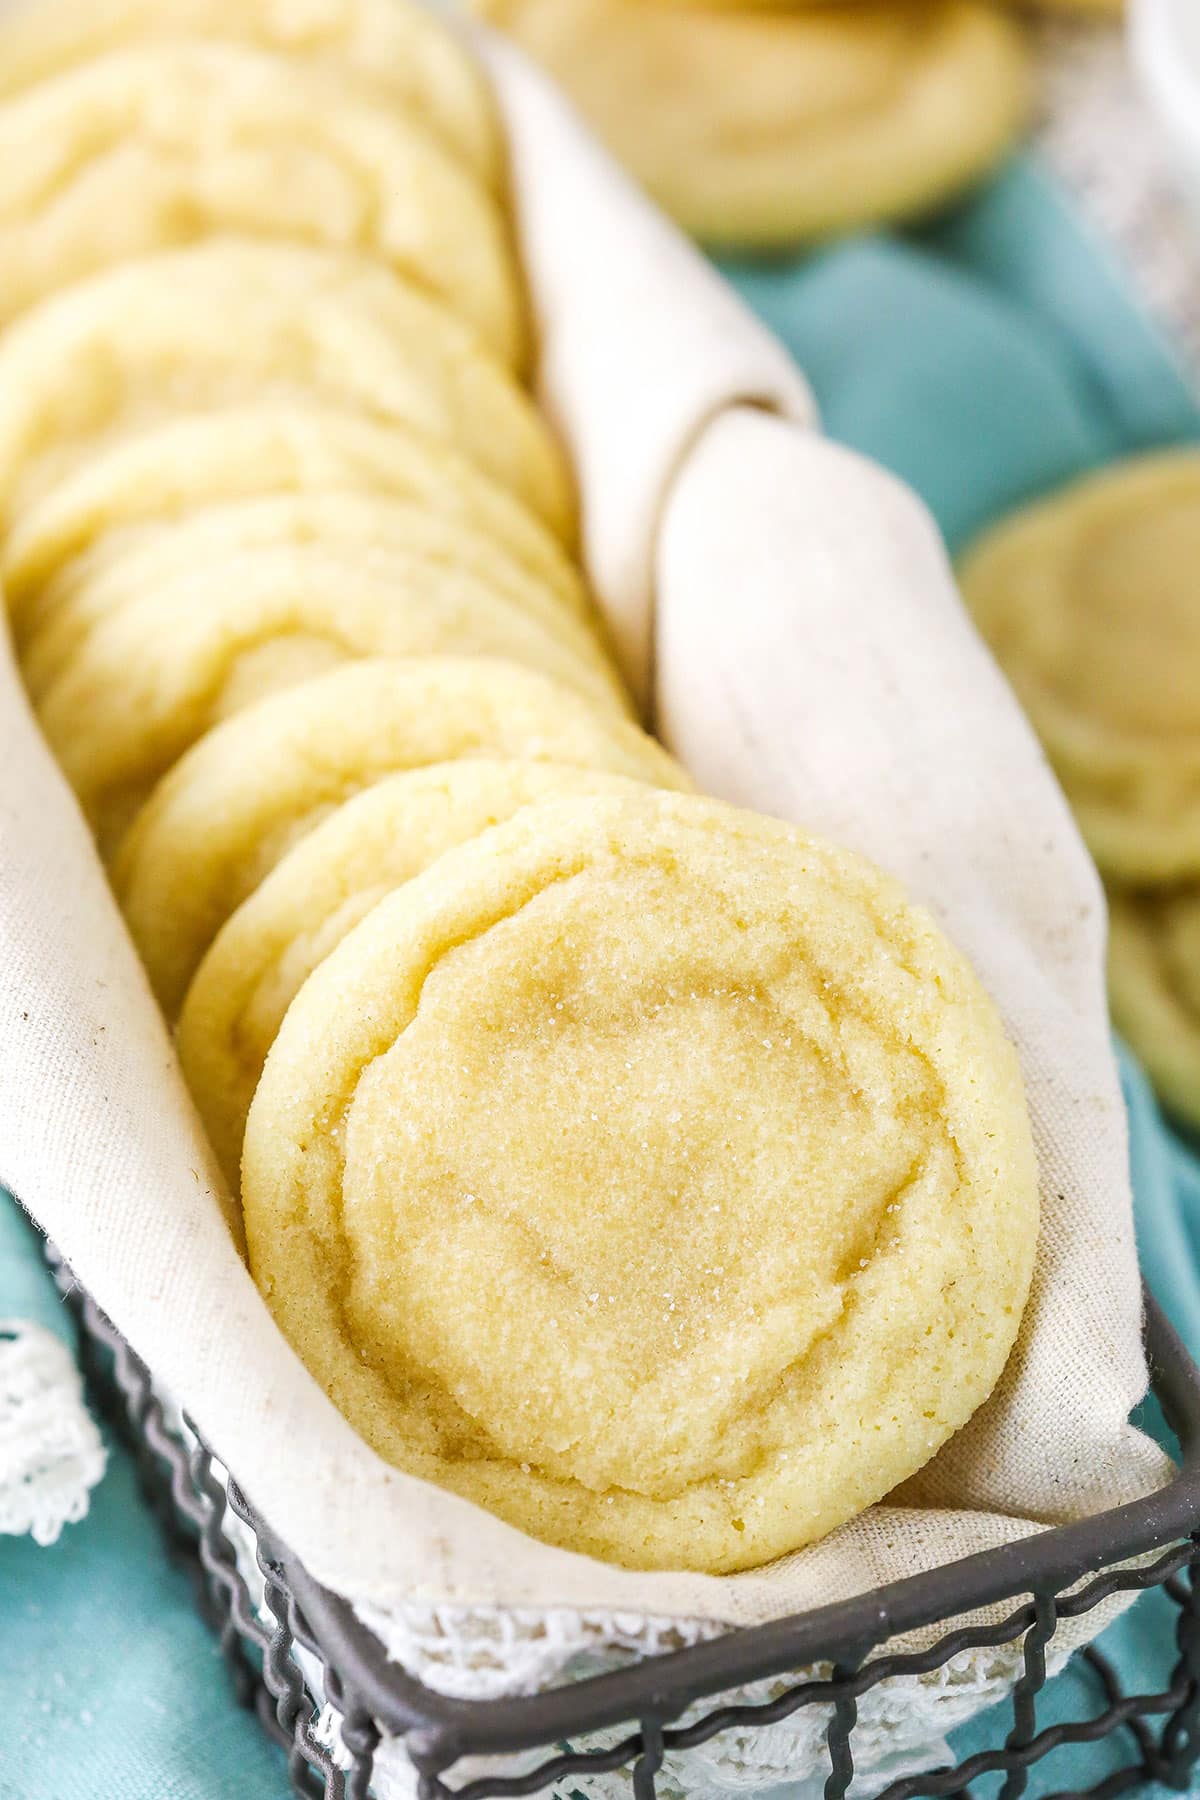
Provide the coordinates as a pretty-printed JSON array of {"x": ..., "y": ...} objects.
[{"x": 985, "y": 360}]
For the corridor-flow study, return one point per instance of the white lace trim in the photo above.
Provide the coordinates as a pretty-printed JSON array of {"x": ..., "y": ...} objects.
[
  {"x": 902, "y": 1727},
  {"x": 487, "y": 1653},
  {"x": 51, "y": 1455}
]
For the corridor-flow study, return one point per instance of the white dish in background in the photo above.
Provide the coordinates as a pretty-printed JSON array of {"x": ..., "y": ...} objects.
[{"x": 1164, "y": 38}]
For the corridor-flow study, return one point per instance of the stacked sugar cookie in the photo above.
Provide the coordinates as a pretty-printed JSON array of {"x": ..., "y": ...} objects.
[
  {"x": 1092, "y": 603},
  {"x": 765, "y": 123},
  {"x": 650, "y": 1173}
]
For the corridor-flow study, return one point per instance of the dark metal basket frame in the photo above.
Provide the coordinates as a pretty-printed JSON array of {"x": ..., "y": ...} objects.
[{"x": 376, "y": 1698}]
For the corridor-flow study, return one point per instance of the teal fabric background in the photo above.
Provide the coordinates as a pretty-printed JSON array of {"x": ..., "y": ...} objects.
[{"x": 986, "y": 360}]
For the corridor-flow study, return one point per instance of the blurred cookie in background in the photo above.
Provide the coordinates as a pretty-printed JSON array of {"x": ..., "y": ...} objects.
[
  {"x": 1154, "y": 982},
  {"x": 1091, "y": 602},
  {"x": 763, "y": 127}
]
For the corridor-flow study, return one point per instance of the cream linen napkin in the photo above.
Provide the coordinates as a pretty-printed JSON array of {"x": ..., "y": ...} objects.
[{"x": 812, "y": 660}]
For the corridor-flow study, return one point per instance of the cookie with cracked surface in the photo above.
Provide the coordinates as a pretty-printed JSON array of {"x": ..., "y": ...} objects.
[{"x": 718, "y": 1146}]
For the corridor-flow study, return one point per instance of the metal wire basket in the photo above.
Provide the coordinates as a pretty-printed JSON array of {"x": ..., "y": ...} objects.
[{"x": 677, "y": 1701}]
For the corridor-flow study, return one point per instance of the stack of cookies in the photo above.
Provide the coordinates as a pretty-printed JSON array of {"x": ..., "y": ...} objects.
[
  {"x": 650, "y": 1173},
  {"x": 1092, "y": 603}
]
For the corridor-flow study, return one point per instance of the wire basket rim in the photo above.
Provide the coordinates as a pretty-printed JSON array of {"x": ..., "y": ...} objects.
[{"x": 442, "y": 1728}]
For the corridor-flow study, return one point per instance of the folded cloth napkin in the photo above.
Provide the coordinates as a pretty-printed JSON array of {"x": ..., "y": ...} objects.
[{"x": 811, "y": 658}]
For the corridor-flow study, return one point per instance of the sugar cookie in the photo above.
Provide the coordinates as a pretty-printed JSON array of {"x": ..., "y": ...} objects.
[
  {"x": 223, "y": 817},
  {"x": 1154, "y": 984},
  {"x": 321, "y": 889},
  {"x": 764, "y": 127},
  {"x": 151, "y": 678},
  {"x": 1090, "y": 602},
  {"x": 129, "y": 560},
  {"x": 256, "y": 450},
  {"x": 409, "y": 57},
  {"x": 198, "y": 568},
  {"x": 233, "y": 319},
  {"x": 153, "y": 147},
  {"x": 718, "y": 1146}
]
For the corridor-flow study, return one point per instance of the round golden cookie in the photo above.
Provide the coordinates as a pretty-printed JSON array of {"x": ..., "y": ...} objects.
[
  {"x": 264, "y": 449},
  {"x": 414, "y": 61},
  {"x": 1090, "y": 601},
  {"x": 150, "y": 148},
  {"x": 651, "y": 1174},
  {"x": 377, "y": 539},
  {"x": 129, "y": 560},
  {"x": 318, "y": 893},
  {"x": 763, "y": 128},
  {"x": 233, "y": 319},
  {"x": 1154, "y": 985},
  {"x": 220, "y": 821},
  {"x": 152, "y": 677}
]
